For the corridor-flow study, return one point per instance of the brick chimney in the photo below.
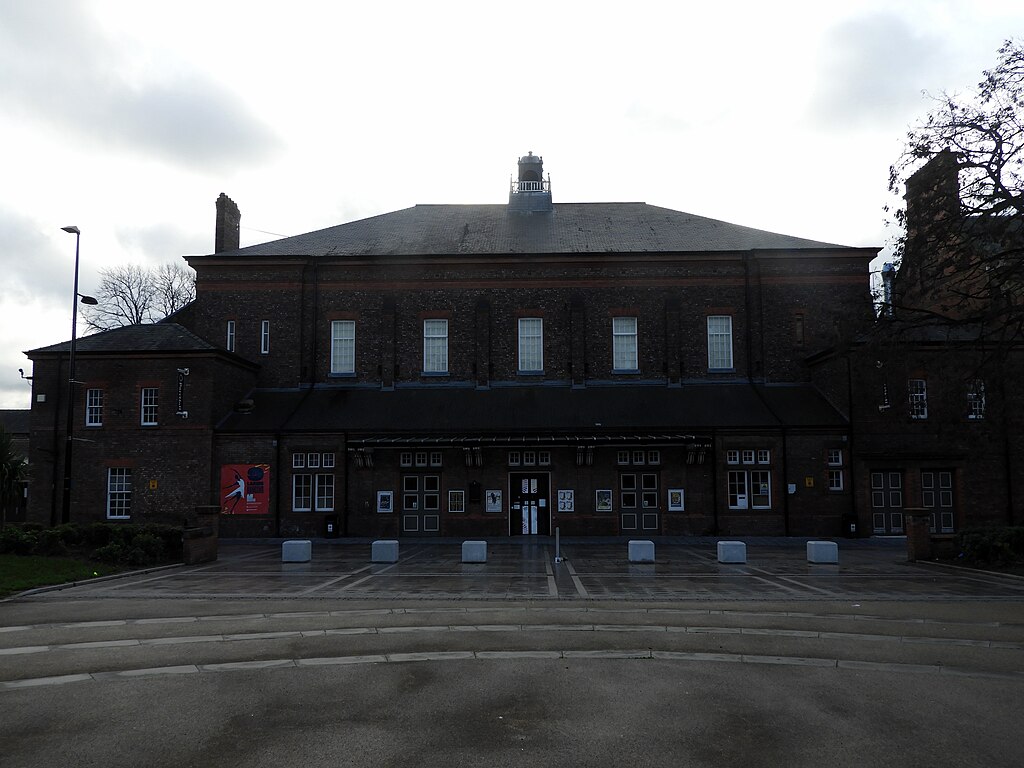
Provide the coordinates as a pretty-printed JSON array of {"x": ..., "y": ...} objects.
[
  {"x": 933, "y": 192},
  {"x": 228, "y": 220}
]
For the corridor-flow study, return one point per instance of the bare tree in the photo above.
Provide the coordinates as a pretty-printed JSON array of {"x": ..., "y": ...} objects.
[
  {"x": 961, "y": 247},
  {"x": 130, "y": 295},
  {"x": 175, "y": 286}
]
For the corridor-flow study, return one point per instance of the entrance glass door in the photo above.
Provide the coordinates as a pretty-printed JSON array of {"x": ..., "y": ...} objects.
[{"x": 529, "y": 503}]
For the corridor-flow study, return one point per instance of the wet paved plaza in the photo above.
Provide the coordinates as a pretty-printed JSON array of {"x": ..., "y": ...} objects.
[{"x": 684, "y": 569}]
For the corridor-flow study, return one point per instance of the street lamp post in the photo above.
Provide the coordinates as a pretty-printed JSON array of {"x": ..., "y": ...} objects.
[{"x": 65, "y": 510}]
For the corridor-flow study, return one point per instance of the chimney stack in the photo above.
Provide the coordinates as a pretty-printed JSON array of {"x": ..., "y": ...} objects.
[{"x": 228, "y": 221}]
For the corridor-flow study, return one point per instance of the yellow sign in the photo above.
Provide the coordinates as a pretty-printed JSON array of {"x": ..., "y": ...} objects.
[
  {"x": 152, "y": 485},
  {"x": 808, "y": 482}
]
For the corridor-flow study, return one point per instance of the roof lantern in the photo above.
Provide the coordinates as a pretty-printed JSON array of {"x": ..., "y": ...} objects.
[{"x": 531, "y": 193}]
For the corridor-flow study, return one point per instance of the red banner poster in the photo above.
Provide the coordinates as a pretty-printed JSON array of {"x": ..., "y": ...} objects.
[{"x": 245, "y": 489}]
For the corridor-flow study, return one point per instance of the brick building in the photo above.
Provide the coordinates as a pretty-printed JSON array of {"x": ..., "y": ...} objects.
[
  {"x": 484, "y": 370},
  {"x": 937, "y": 421}
]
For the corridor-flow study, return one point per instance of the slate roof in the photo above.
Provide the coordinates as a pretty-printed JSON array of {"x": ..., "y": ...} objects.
[
  {"x": 425, "y": 230},
  {"x": 563, "y": 410},
  {"x": 150, "y": 337}
]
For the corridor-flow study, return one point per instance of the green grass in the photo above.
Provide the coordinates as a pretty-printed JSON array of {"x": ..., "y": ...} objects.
[{"x": 21, "y": 572}]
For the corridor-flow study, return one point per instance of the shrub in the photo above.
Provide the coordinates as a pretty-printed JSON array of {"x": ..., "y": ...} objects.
[
  {"x": 109, "y": 553},
  {"x": 17, "y": 540},
  {"x": 50, "y": 543},
  {"x": 991, "y": 546}
]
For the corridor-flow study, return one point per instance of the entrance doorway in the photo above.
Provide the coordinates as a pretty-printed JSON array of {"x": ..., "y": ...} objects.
[
  {"x": 887, "y": 501},
  {"x": 529, "y": 495},
  {"x": 937, "y": 498}
]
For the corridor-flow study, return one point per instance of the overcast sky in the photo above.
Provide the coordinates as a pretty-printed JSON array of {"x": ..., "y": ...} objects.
[{"x": 128, "y": 118}]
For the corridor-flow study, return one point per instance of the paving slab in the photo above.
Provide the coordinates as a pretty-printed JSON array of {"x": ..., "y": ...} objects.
[{"x": 524, "y": 569}]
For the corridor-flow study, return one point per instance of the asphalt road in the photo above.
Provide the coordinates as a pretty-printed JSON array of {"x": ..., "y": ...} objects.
[{"x": 164, "y": 675}]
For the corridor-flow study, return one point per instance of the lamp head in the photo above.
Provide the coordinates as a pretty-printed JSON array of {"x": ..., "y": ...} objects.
[
  {"x": 72, "y": 229},
  {"x": 90, "y": 300}
]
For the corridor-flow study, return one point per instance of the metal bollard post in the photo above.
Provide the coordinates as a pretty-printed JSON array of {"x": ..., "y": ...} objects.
[{"x": 558, "y": 548}]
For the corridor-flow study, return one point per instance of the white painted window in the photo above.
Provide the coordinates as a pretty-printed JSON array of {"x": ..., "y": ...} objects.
[
  {"x": 624, "y": 348},
  {"x": 764, "y": 457},
  {"x": 343, "y": 346},
  {"x": 149, "y": 406},
  {"x": 917, "y": 392},
  {"x": 328, "y": 461},
  {"x": 435, "y": 346},
  {"x": 94, "y": 408},
  {"x": 531, "y": 344},
  {"x": 265, "y": 337},
  {"x": 298, "y": 460},
  {"x": 325, "y": 493},
  {"x": 119, "y": 493},
  {"x": 738, "y": 490},
  {"x": 302, "y": 493},
  {"x": 732, "y": 457},
  {"x": 229, "y": 340},
  {"x": 976, "y": 400},
  {"x": 835, "y": 480},
  {"x": 719, "y": 342}
]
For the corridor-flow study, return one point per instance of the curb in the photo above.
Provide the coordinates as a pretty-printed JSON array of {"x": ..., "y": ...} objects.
[{"x": 96, "y": 580}]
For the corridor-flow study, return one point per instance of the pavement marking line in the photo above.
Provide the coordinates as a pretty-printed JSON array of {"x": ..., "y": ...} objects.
[
  {"x": 795, "y": 580},
  {"x": 24, "y": 650},
  {"x": 552, "y": 585},
  {"x": 329, "y": 582},
  {"x": 580, "y": 589}
]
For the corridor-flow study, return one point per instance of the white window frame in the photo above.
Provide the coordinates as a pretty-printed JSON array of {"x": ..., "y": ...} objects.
[
  {"x": 119, "y": 493},
  {"x": 748, "y": 457},
  {"x": 313, "y": 461},
  {"x": 544, "y": 458},
  {"x": 343, "y": 346},
  {"x": 622, "y": 457},
  {"x": 720, "y": 342},
  {"x": 229, "y": 336},
  {"x": 514, "y": 458},
  {"x": 732, "y": 456},
  {"x": 835, "y": 479},
  {"x": 405, "y": 459},
  {"x": 763, "y": 476},
  {"x": 327, "y": 461},
  {"x": 264, "y": 337},
  {"x": 149, "y": 404},
  {"x": 835, "y": 457},
  {"x": 917, "y": 397},
  {"x": 738, "y": 487},
  {"x": 298, "y": 461},
  {"x": 94, "y": 407},
  {"x": 302, "y": 501},
  {"x": 323, "y": 493},
  {"x": 435, "y": 346},
  {"x": 625, "y": 356},
  {"x": 764, "y": 456},
  {"x": 531, "y": 345},
  {"x": 976, "y": 400},
  {"x": 654, "y": 457}
]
